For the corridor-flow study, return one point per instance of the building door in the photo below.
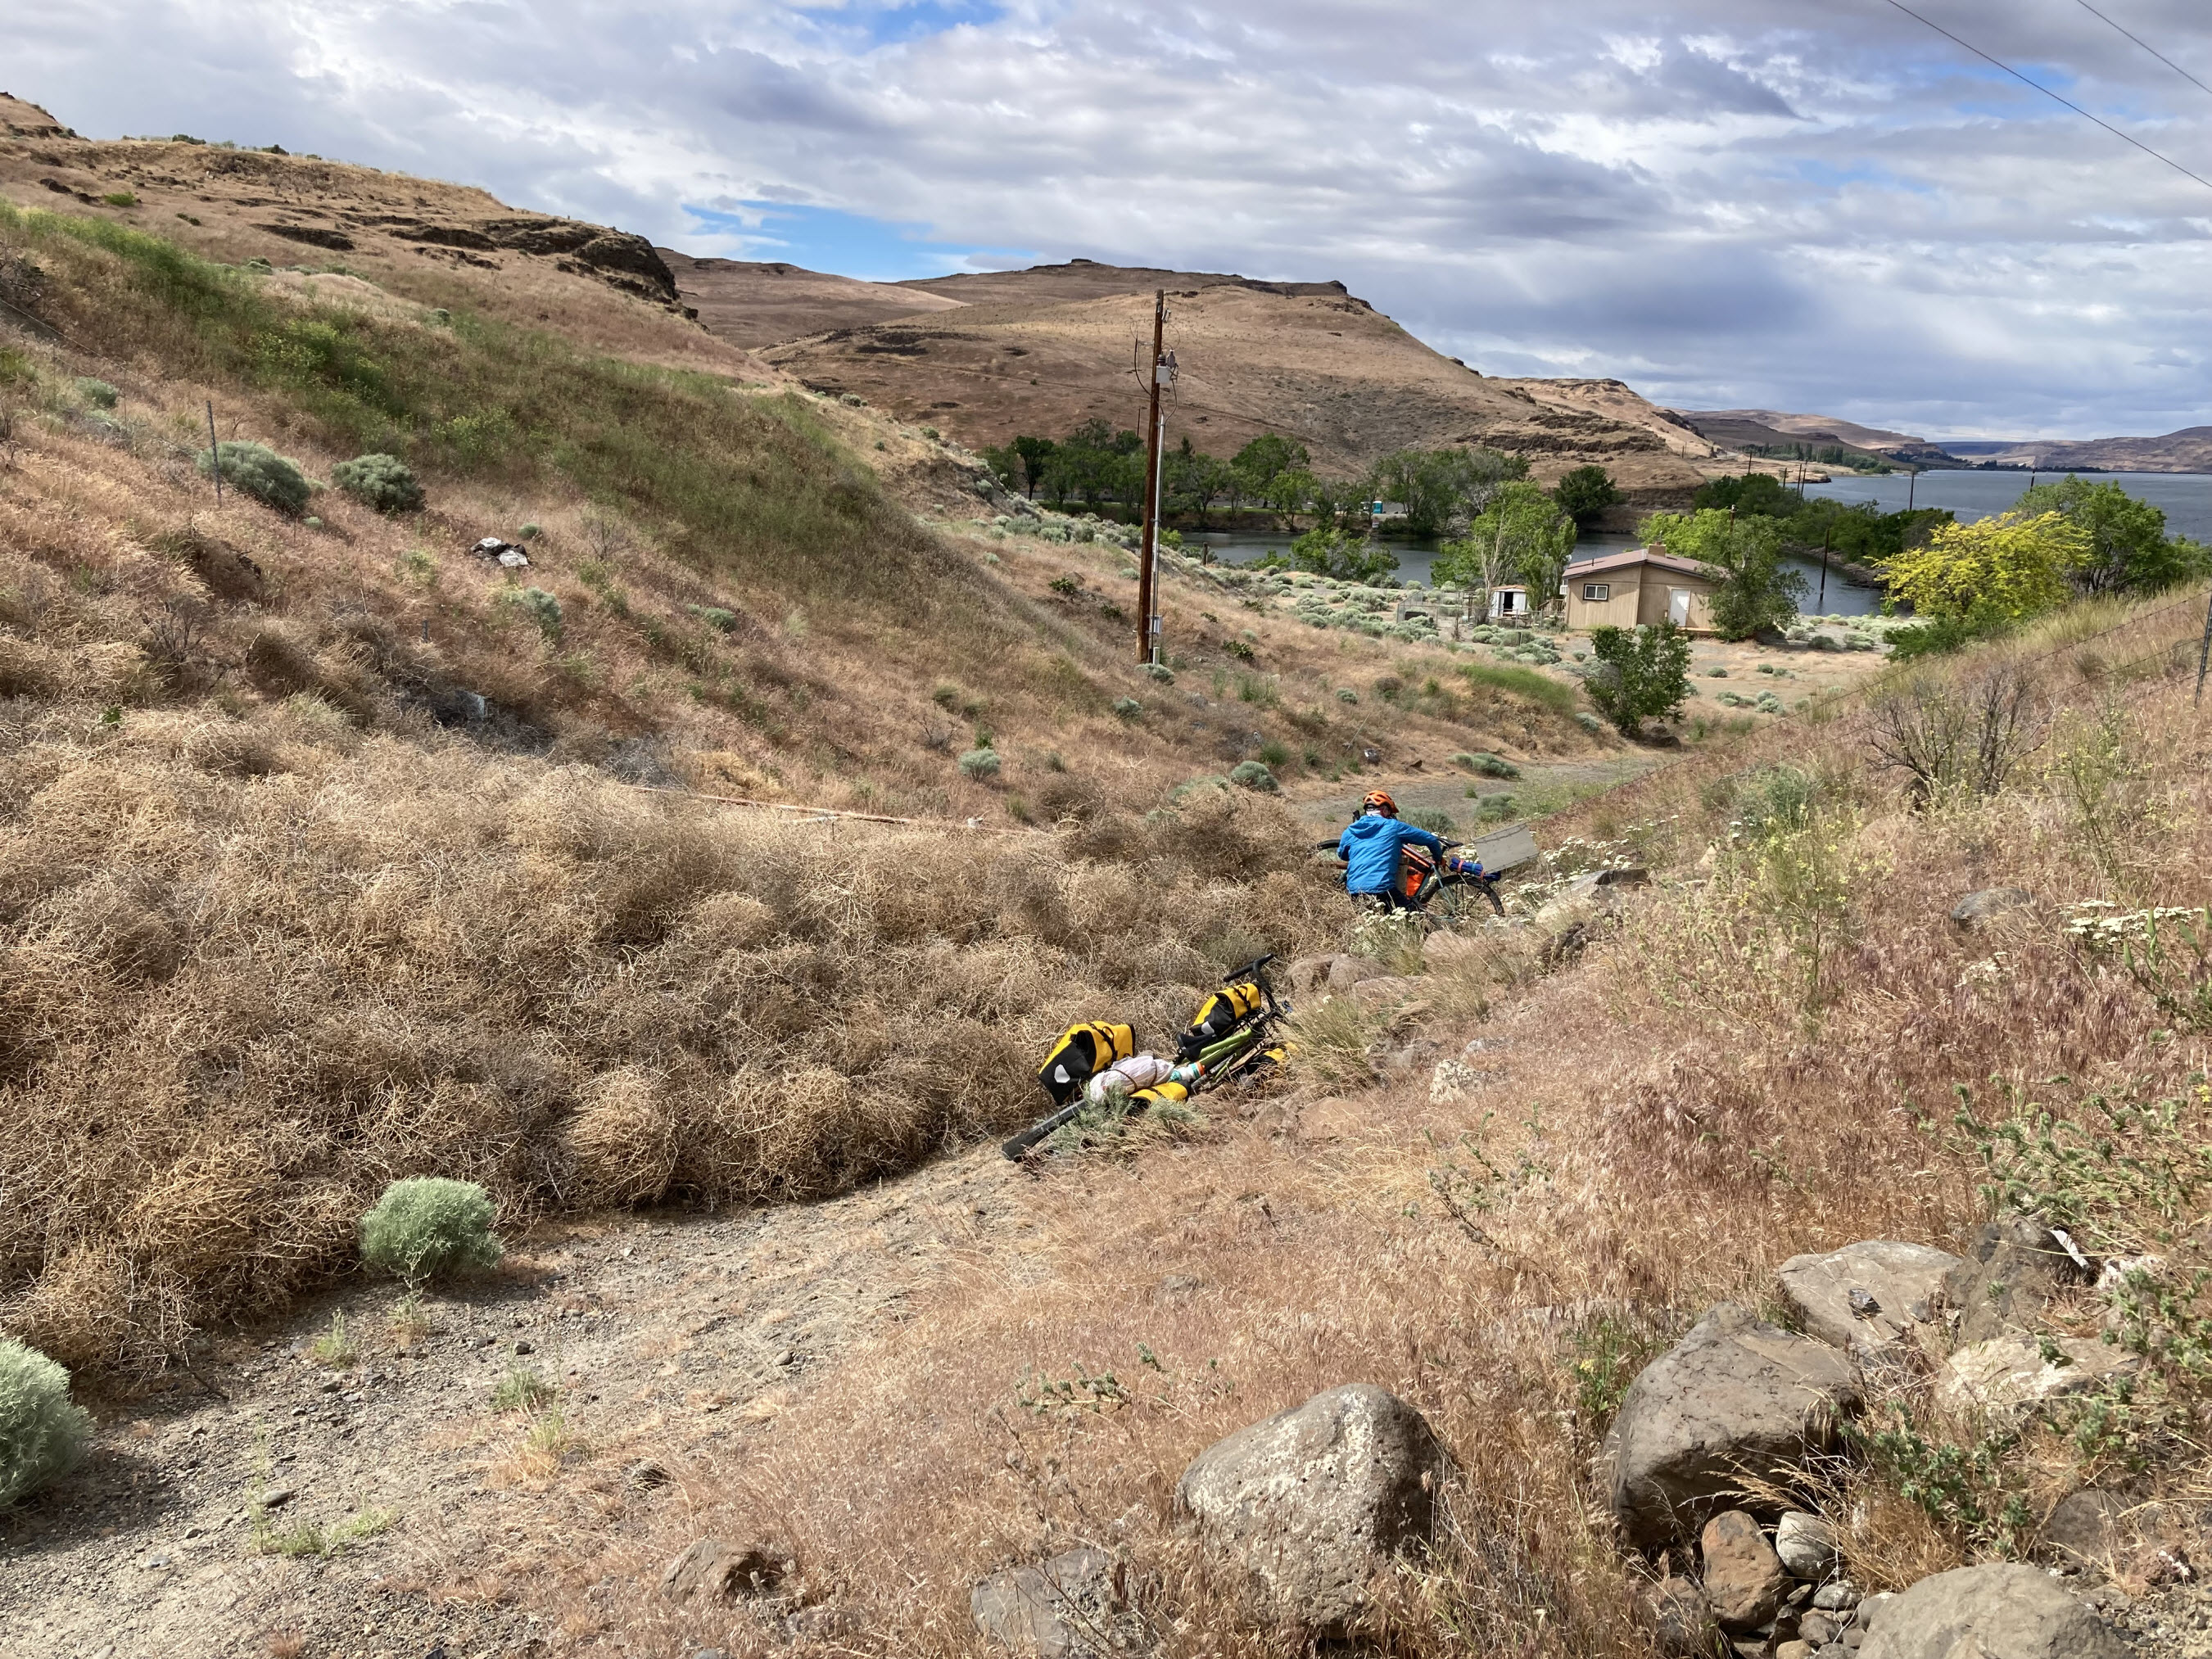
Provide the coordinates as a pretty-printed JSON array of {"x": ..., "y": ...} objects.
[{"x": 1678, "y": 606}]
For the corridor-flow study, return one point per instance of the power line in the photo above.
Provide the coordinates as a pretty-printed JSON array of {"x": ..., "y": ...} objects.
[
  {"x": 2054, "y": 97},
  {"x": 2145, "y": 44}
]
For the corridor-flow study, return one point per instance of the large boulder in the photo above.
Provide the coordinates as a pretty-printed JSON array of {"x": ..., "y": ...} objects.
[
  {"x": 1736, "y": 1396},
  {"x": 1066, "y": 1609},
  {"x": 1315, "y": 1501},
  {"x": 1867, "y": 1297},
  {"x": 2001, "y": 1610},
  {"x": 2011, "y": 1272}
]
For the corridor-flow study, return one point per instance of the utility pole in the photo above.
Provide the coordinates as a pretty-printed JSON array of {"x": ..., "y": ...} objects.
[
  {"x": 1148, "y": 624},
  {"x": 2204, "y": 651},
  {"x": 214, "y": 456}
]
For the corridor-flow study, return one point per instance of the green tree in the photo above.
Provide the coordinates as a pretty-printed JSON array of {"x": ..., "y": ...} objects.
[
  {"x": 1860, "y": 531},
  {"x": 1328, "y": 551},
  {"x": 1586, "y": 492},
  {"x": 2129, "y": 550},
  {"x": 1522, "y": 533},
  {"x": 1260, "y": 463},
  {"x": 1755, "y": 591},
  {"x": 1034, "y": 455},
  {"x": 1996, "y": 570},
  {"x": 1191, "y": 480},
  {"x": 1095, "y": 464},
  {"x": 1436, "y": 486},
  {"x": 1642, "y": 673},
  {"x": 1760, "y": 493}
]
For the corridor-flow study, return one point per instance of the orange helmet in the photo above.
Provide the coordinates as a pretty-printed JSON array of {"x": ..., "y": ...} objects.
[{"x": 1379, "y": 800}]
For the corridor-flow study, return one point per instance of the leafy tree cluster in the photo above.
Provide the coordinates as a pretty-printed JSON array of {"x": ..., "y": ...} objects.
[
  {"x": 2061, "y": 540},
  {"x": 1522, "y": 534},
  {"x": 1756, "y": 591}
]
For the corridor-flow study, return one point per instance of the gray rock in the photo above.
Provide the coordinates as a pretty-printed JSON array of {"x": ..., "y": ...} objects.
[
  {"x": 1065, "y": 1609},
  {"x": 2085, "y": 1526},
  {"x": 1680, "y": 1619},
  {"x": 1735, "y": 1396},
  {"x": 1819, "y": 1290},
  {"x": 1744, "y": 1581},
  {"x": 2009, "y": 1277},
  {"x": 1796, "y": 1650},
  {"x": 2007, "y": 1374},
  {"x": 1806, "y": 1545},
  {"x": 2001, "y": 1610},
  {"x": 713, "y": 1568},
  {"x": 1317, "y": 1500},
  {"x": 1820, "y": 1628},
  {"x": 1840, "y": 1596},
  {"x": 1385, "y": 992},
  {"x": 1978, "y": 910}
]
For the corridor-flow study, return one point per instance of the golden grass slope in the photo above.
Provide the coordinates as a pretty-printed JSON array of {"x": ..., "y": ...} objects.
[{"x": 1503, "y": 1240}]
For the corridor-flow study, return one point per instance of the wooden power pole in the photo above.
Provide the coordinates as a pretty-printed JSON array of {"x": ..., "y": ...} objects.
[{"x": 1148, "y": 623}]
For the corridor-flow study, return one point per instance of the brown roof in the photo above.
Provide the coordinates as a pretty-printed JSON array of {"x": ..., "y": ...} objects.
[{"x": 1651, "y": 556}]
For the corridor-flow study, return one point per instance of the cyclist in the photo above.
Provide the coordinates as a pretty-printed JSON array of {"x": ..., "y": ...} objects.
[{"x": 1371, "y": 847}]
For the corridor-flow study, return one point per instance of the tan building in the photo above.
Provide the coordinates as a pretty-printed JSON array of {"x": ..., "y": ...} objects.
[{"x": 1643, "y": 585}]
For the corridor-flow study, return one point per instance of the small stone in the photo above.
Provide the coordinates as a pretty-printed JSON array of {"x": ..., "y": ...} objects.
[
  {"x": 646, "y": 1474},
  {"x": 1675, "y": 1610},
  {"x": 1744, "y": 1581},
  {"x": 785, "y": 1358},
  {"x": 278, "y": 1499},
  {"x": 1978, "y": 910},
  {"x": 1818, "y": 1629},
  {"x": 525, "y": 1347},
  {"x": 1806, "y": 1545},
  {"x": 1839, "y": 1597},
  {"x": 722, "y": 1569},
  {"x": 156, "y": 1561},
  {"x": 1863, "y": 1304},
  {"x": 1047, "y": 1610},
  {"x": 1799, "y": 1649}
]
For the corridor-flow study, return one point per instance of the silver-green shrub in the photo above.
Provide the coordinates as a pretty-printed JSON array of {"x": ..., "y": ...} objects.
[
  {"x": 383, "y": 481},
  {"x": 261, "y": 472},
  {"x": 99, "y": 393},
  {"x": 426, "y": 1226},
  {"x": 42, "y": 1431},
  {"x": 980, "y": 763}
]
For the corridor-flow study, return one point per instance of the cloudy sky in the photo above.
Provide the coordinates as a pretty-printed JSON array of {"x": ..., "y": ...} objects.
[{"x": 1727, "y": 202}]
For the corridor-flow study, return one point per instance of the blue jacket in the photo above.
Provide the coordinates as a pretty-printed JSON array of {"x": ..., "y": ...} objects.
[{"x": 1370, "y": 849}]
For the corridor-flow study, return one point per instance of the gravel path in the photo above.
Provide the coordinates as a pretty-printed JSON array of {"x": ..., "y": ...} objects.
[{"x": 264, "y": 1503}]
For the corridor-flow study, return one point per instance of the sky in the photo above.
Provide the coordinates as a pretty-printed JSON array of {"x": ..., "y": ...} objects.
[{"x": 1768, "y": 204}]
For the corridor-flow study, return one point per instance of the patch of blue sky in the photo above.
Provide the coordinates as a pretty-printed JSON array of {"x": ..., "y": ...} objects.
[
  {"x": 893, "y": 22},
  {"x": 843, "y": 244}
]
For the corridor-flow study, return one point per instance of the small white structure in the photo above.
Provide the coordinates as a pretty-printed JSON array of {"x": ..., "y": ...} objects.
[{"x": 1511, "y": 600}]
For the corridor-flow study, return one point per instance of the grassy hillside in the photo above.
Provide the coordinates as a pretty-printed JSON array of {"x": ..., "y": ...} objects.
[{"x": 325, "y": 861}]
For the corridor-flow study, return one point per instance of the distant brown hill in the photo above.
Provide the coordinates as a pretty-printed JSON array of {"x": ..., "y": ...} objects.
[
  {"x": 1783, "y": 428},
  {"x": 988, "y": 355},
  {"x": 2188, "y": 450}
]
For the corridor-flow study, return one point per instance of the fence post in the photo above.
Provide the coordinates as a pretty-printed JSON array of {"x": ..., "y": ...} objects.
[{"x": 2204, "y": 650}]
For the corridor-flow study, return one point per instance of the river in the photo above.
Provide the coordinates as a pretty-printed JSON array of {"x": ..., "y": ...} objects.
[{"x": 2186, "y": 497}]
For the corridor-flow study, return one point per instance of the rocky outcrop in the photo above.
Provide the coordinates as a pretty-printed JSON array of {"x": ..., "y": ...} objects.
[
  {"x": 1999, "y": 1611},
  {"x": 1315, "y": 1502},
  {"x": 1735, "y": 1396},
  {"x": 1868, "y": 1297},
  {"x": 618, "y": 257}
]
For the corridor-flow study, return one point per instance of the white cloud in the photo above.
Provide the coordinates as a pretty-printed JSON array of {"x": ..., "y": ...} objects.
[{"x": 1842, "y": 213}]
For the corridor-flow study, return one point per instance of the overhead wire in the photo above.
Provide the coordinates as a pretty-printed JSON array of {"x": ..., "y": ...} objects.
[
  {"x": 2144, "y": 44},
  {"x": 2056, "y": 98}
]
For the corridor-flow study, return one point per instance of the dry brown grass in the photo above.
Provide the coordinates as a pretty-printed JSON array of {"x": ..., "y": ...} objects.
[
  {"x": 1663, "y": 1123},
  {"x": 237, "y": 1005}
]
